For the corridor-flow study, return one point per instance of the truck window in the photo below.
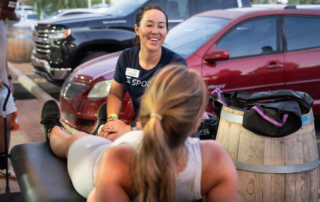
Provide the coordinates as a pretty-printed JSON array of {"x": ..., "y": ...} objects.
[
  {"x": 76, "y": 13},
  {"x": 125, "y": 7},
  {"x": 198, "y": 6},
  {"x": 246, "y": 3},
  {"x": 175, "y": 9}
]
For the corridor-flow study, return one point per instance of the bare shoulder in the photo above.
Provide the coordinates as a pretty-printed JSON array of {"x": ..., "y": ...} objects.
[
  {"x": 212, "y": 151},
  {"x": 117, "y": 164},
  {"x": 217, "y": 167},
  {"x": 118, "y": 153}
]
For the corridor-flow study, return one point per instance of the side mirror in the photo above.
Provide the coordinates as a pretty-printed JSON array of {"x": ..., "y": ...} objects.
[{"x": 217, "y": 55}]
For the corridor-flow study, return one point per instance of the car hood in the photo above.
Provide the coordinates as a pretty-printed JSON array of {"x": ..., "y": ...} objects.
[{"x": 93, "y": 69}]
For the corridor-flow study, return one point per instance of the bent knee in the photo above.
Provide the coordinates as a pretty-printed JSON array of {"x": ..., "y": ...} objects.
[{"x": 74, "y": 138}]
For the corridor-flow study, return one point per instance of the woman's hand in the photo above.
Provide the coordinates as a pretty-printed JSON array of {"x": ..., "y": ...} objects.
[{"x": 113, "y": 129}]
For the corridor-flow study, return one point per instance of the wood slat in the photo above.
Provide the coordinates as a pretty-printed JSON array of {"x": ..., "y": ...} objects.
[{"x": 290, "y": 188}]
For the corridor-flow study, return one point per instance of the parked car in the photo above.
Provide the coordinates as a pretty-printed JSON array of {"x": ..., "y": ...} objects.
[
  {"x": 23, "y": 8},
  {"x": 62, "y": 44},
  {"x": 27, "y": 19},
  {"x": 250, "y": 49}
]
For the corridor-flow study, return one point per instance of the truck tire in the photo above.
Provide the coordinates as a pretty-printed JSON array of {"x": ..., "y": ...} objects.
[{"x": 92, "y": 56}]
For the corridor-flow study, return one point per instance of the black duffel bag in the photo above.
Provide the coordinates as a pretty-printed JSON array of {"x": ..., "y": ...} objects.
[{"x": 208, "y": 128}]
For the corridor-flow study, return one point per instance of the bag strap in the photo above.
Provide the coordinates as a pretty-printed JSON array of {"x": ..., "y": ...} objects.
[
  {"x": 219, "y": 92},
  {"x": 270, "y": 119}
]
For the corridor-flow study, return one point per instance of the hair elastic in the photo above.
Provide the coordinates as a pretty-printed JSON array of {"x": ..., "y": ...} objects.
[{"x": 157, "y": 116}]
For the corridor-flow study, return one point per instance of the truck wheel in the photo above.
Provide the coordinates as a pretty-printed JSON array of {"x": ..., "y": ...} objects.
[{"x": 92, "y": 56}]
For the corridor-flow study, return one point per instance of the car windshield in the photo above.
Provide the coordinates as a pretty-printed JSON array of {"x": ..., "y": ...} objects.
[
  {"x": 188, "y": 36},
  {"x": 125, "y": 7}
]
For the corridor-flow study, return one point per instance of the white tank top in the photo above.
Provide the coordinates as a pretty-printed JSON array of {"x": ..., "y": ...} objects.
[{"x": 188, "y": 183}]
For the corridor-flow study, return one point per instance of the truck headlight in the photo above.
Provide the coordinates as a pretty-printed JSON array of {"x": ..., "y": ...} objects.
[
  {"x": 59, "y": 34},
  {"x": 100, "y": 89}
]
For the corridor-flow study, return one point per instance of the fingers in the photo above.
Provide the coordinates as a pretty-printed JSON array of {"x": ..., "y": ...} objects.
[{"x": 109, "y": 127}]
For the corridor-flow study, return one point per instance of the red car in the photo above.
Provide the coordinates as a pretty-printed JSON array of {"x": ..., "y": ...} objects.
[{"x": 250, "y": 49}]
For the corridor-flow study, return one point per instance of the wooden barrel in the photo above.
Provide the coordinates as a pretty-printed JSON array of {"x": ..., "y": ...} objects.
[
  {"x": 272, "y": 169},
  {"x": 20, "y": 44}
]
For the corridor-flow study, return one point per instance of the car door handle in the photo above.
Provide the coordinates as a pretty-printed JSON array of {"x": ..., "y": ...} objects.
[{"x": 274, "y": 66}]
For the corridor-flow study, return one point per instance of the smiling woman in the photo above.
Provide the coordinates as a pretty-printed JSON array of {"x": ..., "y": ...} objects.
[{"x": 136, "y": 66}]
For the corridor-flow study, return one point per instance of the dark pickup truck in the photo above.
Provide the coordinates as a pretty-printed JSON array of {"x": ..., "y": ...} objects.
[{"x": 62, "y": 44}]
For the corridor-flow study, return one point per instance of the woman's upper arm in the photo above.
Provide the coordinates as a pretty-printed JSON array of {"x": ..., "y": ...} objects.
[
  {"x": 223, "y": 173},
  {"x": 114, "y": 176},
  {"x": 92, "y": 196},
  {"x": 117, "y": 89}
]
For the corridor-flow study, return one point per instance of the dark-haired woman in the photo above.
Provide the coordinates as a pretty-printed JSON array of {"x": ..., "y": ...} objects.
[
  {"x": 137, "y": 65},
  {"x": 162, "y": 163}
]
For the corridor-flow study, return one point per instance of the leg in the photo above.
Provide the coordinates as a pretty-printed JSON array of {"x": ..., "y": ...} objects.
[
  {"x": 60, "y": 141},
  {"x": 101, "y": 116}
]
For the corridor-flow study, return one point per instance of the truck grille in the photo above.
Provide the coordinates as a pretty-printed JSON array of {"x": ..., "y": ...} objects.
[{"x": 42, "y": 40}]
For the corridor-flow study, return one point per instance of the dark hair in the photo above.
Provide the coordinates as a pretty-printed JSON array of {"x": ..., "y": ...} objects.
[{"x": 143, "y": 9}]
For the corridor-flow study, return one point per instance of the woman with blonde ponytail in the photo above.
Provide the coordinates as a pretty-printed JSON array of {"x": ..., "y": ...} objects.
[{"x": 161, "y": 163}]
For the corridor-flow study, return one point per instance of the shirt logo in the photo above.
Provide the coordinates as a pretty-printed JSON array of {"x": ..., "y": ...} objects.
[
  {"x": 128, "y": 79},
  {"x": 137, "y": 82}
]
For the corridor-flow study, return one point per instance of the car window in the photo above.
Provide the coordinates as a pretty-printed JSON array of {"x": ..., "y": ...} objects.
[
  {"x": 254, "y": 37},
  {"x": 175, "y": 9},
  {"x": 302, "y": 32},
  {"x": 187, "y": 37}
]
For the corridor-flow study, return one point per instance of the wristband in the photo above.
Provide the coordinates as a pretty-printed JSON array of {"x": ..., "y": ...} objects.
[
  {"x": 10, "y": 77},
  {"x": 113, "y": 116}
]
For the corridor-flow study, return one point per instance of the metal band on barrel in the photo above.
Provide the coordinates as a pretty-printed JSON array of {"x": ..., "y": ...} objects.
[
  {"x": 235, "y": 118},
  {"x": 20, "y": 36},
  {"x": 276, "y": 169}
]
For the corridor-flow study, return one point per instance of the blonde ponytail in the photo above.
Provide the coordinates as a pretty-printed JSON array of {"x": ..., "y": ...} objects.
[
  {"x": 170, "y": 108},
  {"x": 158, "y": 171}
]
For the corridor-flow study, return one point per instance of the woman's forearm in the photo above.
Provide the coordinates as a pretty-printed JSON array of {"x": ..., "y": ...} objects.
[{"x": 114, "y": 105}]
